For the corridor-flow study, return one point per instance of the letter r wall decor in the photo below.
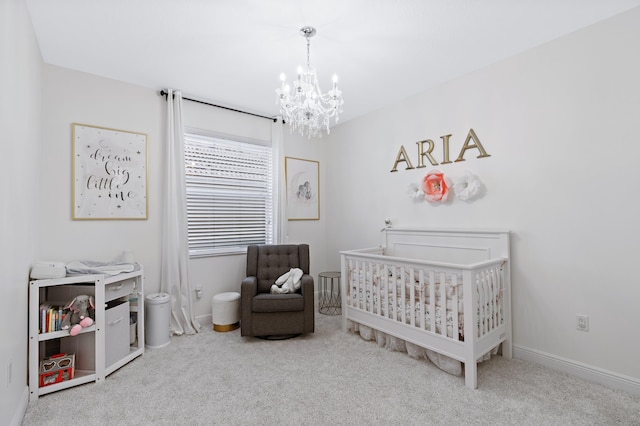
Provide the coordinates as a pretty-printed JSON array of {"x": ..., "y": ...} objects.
[{"x": 109, "y": 173}]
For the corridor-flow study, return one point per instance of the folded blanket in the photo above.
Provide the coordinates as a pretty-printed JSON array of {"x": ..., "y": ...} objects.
[
  {"x": 288, "y": 283},
  {"x": 92, "y": 267}
]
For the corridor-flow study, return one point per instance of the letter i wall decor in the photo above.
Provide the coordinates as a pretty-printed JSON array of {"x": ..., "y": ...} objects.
[{"x": 109, "y": 173}]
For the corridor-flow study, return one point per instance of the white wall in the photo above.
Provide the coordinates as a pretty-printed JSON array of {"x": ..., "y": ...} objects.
[
  {"x": 20, "y": 127},
  {"x": 312, "y": 232},
  {"x": 72, "y": 96},
  {"x": 76, "y": 97},
  {"x": 560, "y": 124},
  {"x": 557, "y": 122}
]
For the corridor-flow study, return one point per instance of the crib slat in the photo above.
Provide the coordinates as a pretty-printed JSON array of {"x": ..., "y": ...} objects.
[
  {"x": 432, "y": 300},
  {"x": 420, "y": 310},
  {"x": 347, "y": 288},
  {"x": 499, "y": 299},
  {"x": 359, "y": 286},
  {"x": 485, "y": 287},
  {"x": 394, "y": 284},
  {"x": 478, "y": 284},
  {"x": 354, "y": 283},
  {"x": 365, "y": 286},
  {"x": 371, "y": 286},
  {"x": 390, "y": 287},
  {"x": 454, "y": 307},
  {"x": 494, "y": 292},
  {"x": 402, "y": 282},
  {"x": 487, "y": 299},
  {"x": 385, "y": 292},
  {"x": 443, "y": 304},
  {"x": 377, "y": 289},
  {"x": 410, "y": 300},
  {"x": 492, "y": 299},
  {"x": 481, "y": 301}
]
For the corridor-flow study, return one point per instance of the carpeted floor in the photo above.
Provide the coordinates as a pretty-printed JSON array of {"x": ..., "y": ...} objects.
[{"x": 329, "y": 377}]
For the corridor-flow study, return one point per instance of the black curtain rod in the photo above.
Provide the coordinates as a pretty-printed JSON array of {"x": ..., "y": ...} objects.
[{"x": 166, "y": 95}]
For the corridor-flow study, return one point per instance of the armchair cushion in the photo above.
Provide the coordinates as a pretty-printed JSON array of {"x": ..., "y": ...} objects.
[{"x": 265, "y": 302}]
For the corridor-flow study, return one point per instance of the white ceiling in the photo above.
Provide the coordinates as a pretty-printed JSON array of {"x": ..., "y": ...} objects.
[{"x": 232, "y": 52}]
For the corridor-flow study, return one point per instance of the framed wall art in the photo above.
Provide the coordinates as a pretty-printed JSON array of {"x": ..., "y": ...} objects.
[
  {"x": 109, "y": 173},
  {"x": 303, "y": 189}
]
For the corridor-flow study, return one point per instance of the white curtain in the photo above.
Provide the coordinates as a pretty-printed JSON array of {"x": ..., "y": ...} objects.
[
  {"x": 174, "y": 278},
  {"x": 280, "y": 231}
]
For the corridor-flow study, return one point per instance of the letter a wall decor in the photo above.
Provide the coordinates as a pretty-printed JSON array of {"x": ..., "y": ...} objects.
[{"x": 109, "y": 173}]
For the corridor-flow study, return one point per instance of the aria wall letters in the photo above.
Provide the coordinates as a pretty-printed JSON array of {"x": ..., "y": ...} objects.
[{"x": 426, "y": 147}]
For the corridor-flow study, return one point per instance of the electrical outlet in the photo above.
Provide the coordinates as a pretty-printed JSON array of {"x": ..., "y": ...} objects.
[{"x": 582, "y": 322}]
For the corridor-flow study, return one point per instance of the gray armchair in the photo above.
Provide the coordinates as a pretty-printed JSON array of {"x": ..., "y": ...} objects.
[{"x": 270, "y": 315}]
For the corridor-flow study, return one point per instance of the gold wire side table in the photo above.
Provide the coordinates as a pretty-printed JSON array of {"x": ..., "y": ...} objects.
[{"x": 330, "y": 298}]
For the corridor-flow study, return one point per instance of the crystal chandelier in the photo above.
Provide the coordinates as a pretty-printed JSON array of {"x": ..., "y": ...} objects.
[{"x": 306, "y": 108}]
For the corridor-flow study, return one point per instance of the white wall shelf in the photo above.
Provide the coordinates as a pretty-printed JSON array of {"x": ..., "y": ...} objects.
[{"x": 94, "y": 357}]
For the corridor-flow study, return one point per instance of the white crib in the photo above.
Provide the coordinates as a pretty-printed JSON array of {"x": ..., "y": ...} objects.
[{"x": 447, "y": 291}]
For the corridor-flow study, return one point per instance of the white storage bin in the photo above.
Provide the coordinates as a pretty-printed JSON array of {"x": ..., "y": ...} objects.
[{"x": 116, "y": 333}]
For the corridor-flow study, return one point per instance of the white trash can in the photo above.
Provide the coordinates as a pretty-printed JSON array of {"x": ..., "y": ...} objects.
[{"x": 157, "y": 317}]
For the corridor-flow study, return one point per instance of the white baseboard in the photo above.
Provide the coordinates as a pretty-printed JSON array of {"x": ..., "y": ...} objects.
[
  {"x": 205, "y": 320},
  {"x": 584, "y": 371},
  {"x": 21, "y": 409}
]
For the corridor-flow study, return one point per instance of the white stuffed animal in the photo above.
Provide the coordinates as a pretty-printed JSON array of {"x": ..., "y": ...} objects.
[{"x": 288, "y": 283}]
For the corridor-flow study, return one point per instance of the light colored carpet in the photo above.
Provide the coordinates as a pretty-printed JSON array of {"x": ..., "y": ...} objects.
[{"x": 329, "y": 377}]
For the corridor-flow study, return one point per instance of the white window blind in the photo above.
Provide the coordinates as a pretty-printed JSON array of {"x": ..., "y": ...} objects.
[{"x": 229, "y": 195}]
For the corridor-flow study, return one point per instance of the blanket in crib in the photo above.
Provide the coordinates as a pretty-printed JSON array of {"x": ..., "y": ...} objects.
[{"x": 364, "y": 292}]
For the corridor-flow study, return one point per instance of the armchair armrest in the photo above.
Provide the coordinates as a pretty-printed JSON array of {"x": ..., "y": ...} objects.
[
  {"x": 249, "y": 286},
  {"x": 248, "y": 289},
  {"x": 306, "y": 283},
  {"x": 308, "y": 294},
  {"x": 307, "y": 290}
]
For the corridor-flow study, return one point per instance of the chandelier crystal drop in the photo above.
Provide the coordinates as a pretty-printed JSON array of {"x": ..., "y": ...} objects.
[{"x": 305, "y": 107}]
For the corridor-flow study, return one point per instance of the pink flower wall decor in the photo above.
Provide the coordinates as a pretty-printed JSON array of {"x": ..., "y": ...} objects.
[{"x": 435, "y": 186}]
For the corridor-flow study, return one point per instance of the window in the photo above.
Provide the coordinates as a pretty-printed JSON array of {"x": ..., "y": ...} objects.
[{"x": 229, "y": 195}]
